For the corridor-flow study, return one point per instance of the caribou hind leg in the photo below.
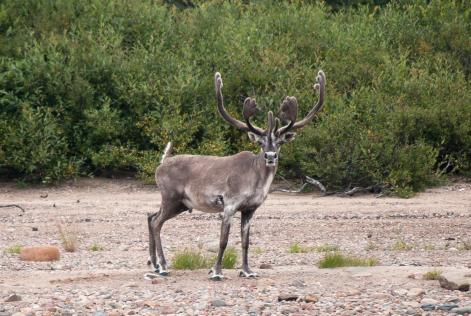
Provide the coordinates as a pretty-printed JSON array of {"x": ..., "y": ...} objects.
[
  {"x": 246, "y": 216},
  {"x": 152, "y": 255},
  {"x": 155, "y": 222}
]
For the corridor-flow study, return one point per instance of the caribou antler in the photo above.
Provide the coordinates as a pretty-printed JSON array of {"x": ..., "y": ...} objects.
[
  {"x": 289, "y": 107},
  {"x": 250, "y": 109}
]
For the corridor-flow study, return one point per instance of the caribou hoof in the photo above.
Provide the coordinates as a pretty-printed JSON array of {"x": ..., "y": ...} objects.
[
  {"x": 244, "y": 274},
  {"x": 164, "y": 272},
  {"x": 215, "y": 276}
]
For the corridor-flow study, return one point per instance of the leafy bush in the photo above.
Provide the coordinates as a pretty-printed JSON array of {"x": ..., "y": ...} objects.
[{"x": 86, "y": 88}]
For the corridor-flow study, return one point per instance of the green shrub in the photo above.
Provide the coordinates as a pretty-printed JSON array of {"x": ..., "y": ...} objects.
[
  {"x": 103, "y": 87},
  {"x": 432, "y": 275},
  {"x": 298, "y": 248},
  {"x": 96, "y": 247},
  {"x": 16, "y": 249},
  {"x": 336, "y": 260},
  {"x": 189, "y": 260},
  {"x": 401, "y": 245}
]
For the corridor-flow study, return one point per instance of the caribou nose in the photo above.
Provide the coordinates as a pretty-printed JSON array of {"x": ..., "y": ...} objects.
[{"x": 271, "y": 156}]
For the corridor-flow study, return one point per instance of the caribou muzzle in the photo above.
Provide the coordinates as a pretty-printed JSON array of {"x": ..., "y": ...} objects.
[{"x": 271, "y": 158}]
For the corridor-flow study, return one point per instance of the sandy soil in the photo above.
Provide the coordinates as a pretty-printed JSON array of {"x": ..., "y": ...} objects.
[{"x": 407, "y": 236}]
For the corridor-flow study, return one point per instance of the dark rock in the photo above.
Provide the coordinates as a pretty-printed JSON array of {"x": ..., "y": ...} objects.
[
  {"x": 447, "y": 306},
  {"x": 266, "y": 266},
  {"x": 428, "y": 307},
  {"x": 34, "y": 229},
  {"x": 287, "y": 297},
  {"x": 13, "y": 298}
]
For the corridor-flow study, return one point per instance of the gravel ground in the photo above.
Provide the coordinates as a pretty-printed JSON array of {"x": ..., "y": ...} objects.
[{"x": 407, "y": 236}]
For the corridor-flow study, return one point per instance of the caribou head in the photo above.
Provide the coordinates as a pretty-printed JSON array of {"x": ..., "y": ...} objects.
[{"x": 271, "y": 138}]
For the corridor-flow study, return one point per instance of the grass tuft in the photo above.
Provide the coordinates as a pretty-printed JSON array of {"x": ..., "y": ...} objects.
[
  {"x": 194, "y": 259},
  {"x": 429, "y": 247},
  {"x": 401, "y": 245},
  {"x": 230, "y": 258},
  {"x": 465, "y": 245},
  {"x": 68, "y": 236},
  {"x": 371, "y": 246},
  {"x": 336, "y": 260},
  {"x": 258, "y": 251},
  {"x": 326, "y": 248},
  {"x": 96, "y": 247},
  {"x": 189, "y": 260},
  {"x": 16, "y": 249},
  {"x": 298, "y": 248},
  {"x": 432, "y": 275}
]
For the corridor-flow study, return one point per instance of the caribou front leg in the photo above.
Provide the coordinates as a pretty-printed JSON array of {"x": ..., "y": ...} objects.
[
  {"x": 245, "y": 233},
  {"x": 216, "y": 271}
]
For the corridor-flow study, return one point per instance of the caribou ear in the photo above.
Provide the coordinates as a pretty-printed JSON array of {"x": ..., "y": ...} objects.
[
  {"x": 286, "y": 137},
  {"x": 255, "y": 138}
]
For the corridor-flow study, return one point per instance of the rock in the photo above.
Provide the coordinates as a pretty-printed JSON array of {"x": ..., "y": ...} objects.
[
  {"x": 429, "y": 301},
  {"x": 414, "y": 292},
  {"x": 462, "y": 310},
  {"x": 13, "y": 298},
  {"x": 400, "y": 292},
  {"x": 34, "y": 229},
  {"x": 131, "y": 312},
  {"x": 412, "y": 304},
  {"x": 287, "y": 297},
  {"x": 310, "y": 298},
  {"x": 150, "y": 304},
  {"x": 218, "y": 303},
  {"x": 45, "y": 253},
  {"x": 428, "y": 307},
  {"x": 455, "y": 281},
  {"x": 266, "y": 266},
  {"x": 99, "y": 313},
  {"x": 447, "y": 306}
]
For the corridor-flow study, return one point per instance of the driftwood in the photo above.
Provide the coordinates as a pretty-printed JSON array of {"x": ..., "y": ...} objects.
[
  {"x": 376, "y": 189},
  {"x": 307, "y": 180},
  {"x": 13, "y": 205}
]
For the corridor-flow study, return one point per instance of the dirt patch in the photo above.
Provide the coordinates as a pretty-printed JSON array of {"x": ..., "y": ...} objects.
[{"x": 408, "y": 237}]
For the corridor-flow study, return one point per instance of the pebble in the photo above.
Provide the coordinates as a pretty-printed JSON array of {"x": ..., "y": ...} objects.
[
  {"x": 310, "y": 299},
  {"x": 462, "y": 310},
  {"x": 218, "y": 303},
  {"x": 414, "y": 292},
  {"x": 287, "y": 297},
  {"x": 13, "y": 298}
]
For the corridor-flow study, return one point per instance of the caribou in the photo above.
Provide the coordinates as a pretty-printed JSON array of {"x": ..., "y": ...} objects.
[{"x": 237, "y": 183}]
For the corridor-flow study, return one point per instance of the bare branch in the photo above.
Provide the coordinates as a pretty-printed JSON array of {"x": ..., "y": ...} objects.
[{"x": 13, "y": 205}]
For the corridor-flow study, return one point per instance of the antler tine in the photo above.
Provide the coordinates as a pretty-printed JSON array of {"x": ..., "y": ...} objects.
[
  {"x": 289, "y": 112},
  {"x": 220, "y": 102},
  {"x": 277, "y": 124},
  {"x": 320, "y": 86},
  {"x": 250, "y": 109}
]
